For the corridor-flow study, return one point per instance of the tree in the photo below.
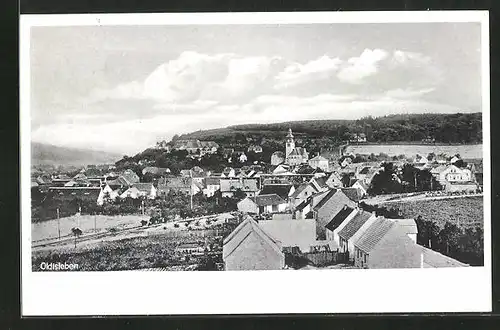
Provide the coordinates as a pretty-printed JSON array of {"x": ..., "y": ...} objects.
[
  {"x": 385, "y": 181},
  {"x": 77, "y": 232}
]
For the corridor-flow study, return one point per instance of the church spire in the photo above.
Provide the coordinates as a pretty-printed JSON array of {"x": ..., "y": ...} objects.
[{"x": 290, "y": 135}]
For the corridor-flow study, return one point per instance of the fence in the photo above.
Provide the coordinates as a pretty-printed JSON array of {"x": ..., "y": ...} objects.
[
  {"x": 187, "y": 233},
  {"x": 323, "y": 258}
]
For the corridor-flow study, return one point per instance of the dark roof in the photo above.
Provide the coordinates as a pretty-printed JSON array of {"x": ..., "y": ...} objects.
[
  {"x": 281, "y": 190},
  {"x": 352, "y": 193},
  {"x": 265, "y": 200},
  {"x": 353, "y": 226},
  {"x": 325, "y": 199},
  {"x": 339, "y": 217},
  {"x": 374, "y": 234},
  {"x": 303, "y": 204},
  {"x": 298, "y": 151},
  {"x": 305, "y": 169},
  {"x": 321, "y": 181}
]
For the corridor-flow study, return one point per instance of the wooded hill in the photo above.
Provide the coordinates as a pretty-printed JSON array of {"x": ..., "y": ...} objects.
[{"x": 443, "y": 128}]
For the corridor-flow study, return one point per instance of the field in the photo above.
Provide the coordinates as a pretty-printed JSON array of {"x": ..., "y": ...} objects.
[
  {"x": 49, "y": 229},
  {"x": 410, "y": 150},
  {"x": 126, "y": 254},
  {"x": 463, "y": 212}
]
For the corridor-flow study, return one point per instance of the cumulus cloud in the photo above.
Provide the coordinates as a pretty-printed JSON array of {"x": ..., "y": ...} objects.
[
  {"x": 296, "y": 73},
  {"x": 362, "y": 66}
]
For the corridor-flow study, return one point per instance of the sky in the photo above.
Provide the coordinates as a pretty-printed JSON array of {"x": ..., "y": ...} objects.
[{"x": 122, "y": 88}]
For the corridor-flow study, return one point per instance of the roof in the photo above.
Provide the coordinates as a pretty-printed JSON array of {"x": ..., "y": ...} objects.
[
  {"x": 281, "y": 190},
  {"x": 300, "y": 188},
  {"x": 235, "y": 184},
  {"x": 352, "y": 194},
  {"x": 301, "y": 233},
  {"x": 321, "y": 181},
  {"x": 120, "y": 181},
  {"x": 362, "y": 184},
  {"x": 177, "y": 182},
  {"x": 339, "y": 218},
  {"x": 365, "y": 170},
  {"x": 433, "y": 259},
  {"x": 318, "y": 158},
  {"x": 298, "y": 151},
  {"x": 266, "y": 200},
  {"x": 325, "y": 199},
  {"x": 374, "y": 234},
  {"x": 242, "y": 231},
  {"x": 409, "y": 225},
  {"x": 130, "y": 176},
  {"x": 354, "y": 225},
  {"x": 213, "y": 181}
]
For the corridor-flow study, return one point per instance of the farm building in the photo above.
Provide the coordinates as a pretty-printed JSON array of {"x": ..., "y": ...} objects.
[
  {"x": 229, "y": 186},
  {"x": 352, "y": 230},
  {"x": 300, "y": 234},
  {"x": 248, "y": 247},
  {"x": 343, "y": 215},
  {"x": 271, "y": 203},
  {"x": 330, "y": 204}
]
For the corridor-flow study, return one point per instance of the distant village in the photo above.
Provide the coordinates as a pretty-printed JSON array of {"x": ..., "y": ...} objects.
[{"x": 297, "y": 210}]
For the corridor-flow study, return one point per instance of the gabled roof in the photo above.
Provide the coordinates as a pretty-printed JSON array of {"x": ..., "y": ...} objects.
[
  {"x": 362, "y": 184},
  {"x": 266, "y": 200},
  {"x": 177, "y": 182},
  {"x": 143, "y": 186},
  {"x": 242, "y": 231},
  {"x": 321, "y": 181},
  {"x": 351, "y": 193},
  {"x": 318, "y": 158},
  {"x": 325, "y": 199},
  {"x": 281, "y": 190},
  {"x": 374, "y": 234},
  {"x": 339, "y": 217},
  {"x": 433, "y": 259},
  {"x": 212, "y": 181},
  {"x": 354, "y": 225},
  {"x": 300, "y": 188},
  {"x": 231, "y": 185},
  {"x": 298, "y": 151},
  {"x": 301, "y": 233}
]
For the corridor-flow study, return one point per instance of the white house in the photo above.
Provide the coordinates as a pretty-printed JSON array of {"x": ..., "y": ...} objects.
[
  {"x": 212, "y": 184},
  {"x": 106, "y": 192},
  {"x": 319, "y": 162},
  {"x": 243, "y": 158},
  {"x": 361, "y": 186},
  {"x": 142, "y": 189},
  {"x": 451, "y": 174},
  {"x": 341, "y": 226}
]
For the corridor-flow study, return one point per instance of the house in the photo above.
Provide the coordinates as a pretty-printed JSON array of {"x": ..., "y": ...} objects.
[
  {"x": 229, "y": 186},
  {"x": 208, "y": 147},
  {"x": 281, "y": 169},
  {"x": 333, "y": 181},
  {"x": 185, "y": 173},
  {"x": 227, "y": 152},
  {"x": 348, "y": 235},
  {"x": 450, "y": 174},
  {"x": 147, "y": 190},
  {"x": 385, "y": 244},
  {"x": 277, "y": 158},
  {"x": 294, "y": 155},
  {"x": 344, "y": 214},
  {"x": 362, "y": 188},
  {"x": 319, "y": 183},
  {"x": 271, "y": 203},
  {"x": 352, "y": 193},
  {"x": 177, "y": 184},
  {"x": 282, "y": 190},
  {"x": 331, "y": 203},
  {"x": 305, "y": 209},
  {"x": 130, "y": 176},
  {"x": 254, "y": 148},
  {"x": 301, "y": 234},
  {"x": 242, "y": 158},
  {"x": 248, "y": 247},
  {"x": 212, "y": 184},
  {"x": 189, "y": 248},
  {"x": 260, "y": 204},
  {"x": 301, "y": 193},
  {"x": 68, "y": 194},
  {"x": 107, "y": 193},
  {"x": 358, "y": 138},
  {"x": 421, "y": 160},
  {"x": 156, "y": 171},
  {"x": 163, "y": 145},
  {"x": 228, "y": 172},
  {"x": 319, "y": 162},
  {"x": 345, "y": 162}
]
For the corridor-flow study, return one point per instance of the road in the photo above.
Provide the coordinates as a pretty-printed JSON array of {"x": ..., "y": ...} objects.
[{"x": 384, "y": 199}]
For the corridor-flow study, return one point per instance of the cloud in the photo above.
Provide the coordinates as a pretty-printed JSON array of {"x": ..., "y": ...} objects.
[
  {"x": 363, "y": 66},
  {"x": 296, "y": 73}
]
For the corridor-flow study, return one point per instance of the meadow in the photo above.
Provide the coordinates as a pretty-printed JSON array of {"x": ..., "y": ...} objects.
[
  {"x": 463, "y": 212},
  {"x": 49, "y": 229},
  {"x": 410, "y": 150}
]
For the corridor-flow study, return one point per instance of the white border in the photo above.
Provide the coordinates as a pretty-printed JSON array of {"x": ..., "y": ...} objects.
[{"x": 262, "y": 292}]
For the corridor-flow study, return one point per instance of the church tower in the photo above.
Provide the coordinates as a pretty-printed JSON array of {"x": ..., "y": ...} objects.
[{"x": 290, "y": 143}]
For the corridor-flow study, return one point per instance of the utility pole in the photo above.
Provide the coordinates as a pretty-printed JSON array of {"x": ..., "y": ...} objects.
[
  {"x": 58, "y": 224},
  {"x": 191, "y": 189},
  {"x": 95, "y": 223}
]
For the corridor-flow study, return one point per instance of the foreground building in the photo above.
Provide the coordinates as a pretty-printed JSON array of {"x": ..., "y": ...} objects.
[{"x": 249, "y": 247}]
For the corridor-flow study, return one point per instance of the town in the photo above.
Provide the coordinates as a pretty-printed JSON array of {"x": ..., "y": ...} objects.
[{"x": 246, "y": 208}]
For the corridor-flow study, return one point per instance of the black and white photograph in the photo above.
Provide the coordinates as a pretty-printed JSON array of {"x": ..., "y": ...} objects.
[{"x": 333, "y": 146}]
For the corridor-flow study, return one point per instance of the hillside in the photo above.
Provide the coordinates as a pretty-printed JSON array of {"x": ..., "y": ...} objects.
[
  {"x": 444, "y": 128},
  {"x": 46, "y": 154}
]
